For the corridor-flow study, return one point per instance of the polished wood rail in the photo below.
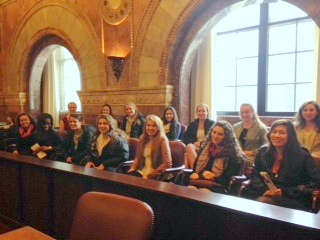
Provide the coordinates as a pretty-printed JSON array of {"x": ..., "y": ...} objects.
[{"x": 43, "y": 194}]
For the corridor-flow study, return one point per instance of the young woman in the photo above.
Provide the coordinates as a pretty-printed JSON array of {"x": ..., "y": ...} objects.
[
  {"x": 26, "y": 137},
  {"x": 133, "y": 121},
  {"x": 171, "y": 124},
  {"x": 64, "y": 126},
  {"x": 109, "y": 147},
  {"x": 307, "y": 125},
  {"x": 76, "y": 145},
  {"x": 48, "y": 139},
  {"x": 196, "y": 133},
  {"x": 153, "y": 153},
  {"x": 106, "y": 110},
  {"x": 219, "y": 159},
  {"x": 289, "y": 166},
  {"x": 250, "y": 132}
]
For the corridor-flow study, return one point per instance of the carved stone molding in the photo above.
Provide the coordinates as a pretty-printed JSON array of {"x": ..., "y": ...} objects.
[
  {"x": 139, "y": 41},
  {"x": 149, "y": 97}
]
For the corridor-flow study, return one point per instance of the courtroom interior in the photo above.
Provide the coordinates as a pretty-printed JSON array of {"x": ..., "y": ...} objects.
[{"x": 79, "y": 58}]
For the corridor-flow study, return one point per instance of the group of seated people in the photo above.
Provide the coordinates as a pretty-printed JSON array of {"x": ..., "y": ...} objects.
[{"x": 215, "y": 151}]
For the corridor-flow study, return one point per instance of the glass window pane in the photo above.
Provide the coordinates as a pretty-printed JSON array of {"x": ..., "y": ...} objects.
[
  {"x": 281, "y": 68},
  {"x": 240, "y": 18},
  {"x": 226, "y": 47},
  {"x": 248, "y": 43},
  {"x": 70, "y": 68},
  {"x": 226, "y": 73},
  {"x": 247, "y": 95},
  {"x": 306, "y": 36},
  {"x": 280, "y": 98},
  {"x": 69, "y": 79},
  {"x": 247, "y": 71},
  {"x": 71, "y": 86},
  {"x": 282, "y": 11},
  {"x": 301, "y": 96},
  {"x": 305, "y": 67},
  {"x": 227, "y": 96},
  {"x": 65, "y": 54},
  {"x": 282, "y": 38}
]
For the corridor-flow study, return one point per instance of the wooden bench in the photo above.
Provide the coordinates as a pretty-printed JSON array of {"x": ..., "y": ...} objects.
[{"x": 43, "y": 194}]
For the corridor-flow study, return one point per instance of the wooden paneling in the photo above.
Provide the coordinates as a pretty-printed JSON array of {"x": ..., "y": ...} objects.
[
  {"x": 180, "y": 212},
  {"x": 9, "y": 190}
]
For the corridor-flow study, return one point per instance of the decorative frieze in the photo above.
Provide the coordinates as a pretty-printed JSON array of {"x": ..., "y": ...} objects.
[{"x": 151, "y": 97}]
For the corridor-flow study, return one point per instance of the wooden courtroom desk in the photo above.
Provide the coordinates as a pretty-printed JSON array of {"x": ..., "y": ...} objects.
[
  {"x": 25, "y": 233},
  {"x": 43, "y": 194}
]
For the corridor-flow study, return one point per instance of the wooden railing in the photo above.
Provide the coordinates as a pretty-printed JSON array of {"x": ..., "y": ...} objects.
[{"x": 43, "y": 194}]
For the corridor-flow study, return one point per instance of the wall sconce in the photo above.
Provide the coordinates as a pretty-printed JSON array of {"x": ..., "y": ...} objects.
[{"x": 117, "y": 65}]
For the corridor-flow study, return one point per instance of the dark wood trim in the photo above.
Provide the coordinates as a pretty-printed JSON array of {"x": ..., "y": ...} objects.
[{"x": 50, "y": 191}]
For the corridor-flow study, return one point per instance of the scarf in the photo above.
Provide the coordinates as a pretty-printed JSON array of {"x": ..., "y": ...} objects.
[
  {"x": 24, "y": 133},
  {"x": 214, "y": 152}
]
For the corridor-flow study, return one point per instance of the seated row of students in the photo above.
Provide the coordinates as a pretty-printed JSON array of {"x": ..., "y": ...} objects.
[
  {"x": 218, "y": 158},
  {"x": 250, "y": 132},
  {"x": 133, "y": 122}
]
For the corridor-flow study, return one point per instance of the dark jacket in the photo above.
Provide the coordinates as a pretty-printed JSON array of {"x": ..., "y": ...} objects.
[
  {"x": 113, "y": 154},
  {"x": 137, "y": 126},
  {"x": 53, "y": 139},
  {"x": 294, "y": 172},
  {"x": 175, "y": 132},
  {"x": 24, "y": 144},
  {"x": 190, "y": 136},
  {"x": 83, "y": 149}
]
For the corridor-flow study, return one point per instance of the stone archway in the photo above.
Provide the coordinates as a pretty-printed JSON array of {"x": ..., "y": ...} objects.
[{"x": 41, "y": 28}]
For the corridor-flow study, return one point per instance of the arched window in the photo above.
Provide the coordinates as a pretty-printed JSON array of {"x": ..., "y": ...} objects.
[
  {"x": 264, "y": 54},
  {"x": 61, "y": 81},
  {"x": 68, "y": 78}
]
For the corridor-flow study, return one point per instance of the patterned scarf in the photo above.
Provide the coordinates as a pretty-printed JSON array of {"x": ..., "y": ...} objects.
[{"x": 214, "y": 152}]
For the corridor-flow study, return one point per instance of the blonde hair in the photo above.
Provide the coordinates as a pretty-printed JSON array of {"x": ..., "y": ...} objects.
[
  {"x": 113, "y": 126},
  {"x": 158, "y": 122},
  {"x": 205, "y": 106},
  {"x": 255, "y": 116},
  {"x": 155, "y": 147},
  {"x": 132, "y": 104}
]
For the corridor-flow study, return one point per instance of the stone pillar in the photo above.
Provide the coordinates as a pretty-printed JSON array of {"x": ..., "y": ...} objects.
[{"x": 23, "y": 97}]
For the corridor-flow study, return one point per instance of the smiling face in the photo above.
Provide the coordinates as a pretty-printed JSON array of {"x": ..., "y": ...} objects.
[
  {"x": 47, "y": 124},
  {"x": 72, "y": 108},
  {"x": 309, "y": 112},
  {"x": 202, "y": 112},
  {"x": 105, "y": 110},
  {"x": 246, "y": 113},
  {"x": 218, "y": 135},
  {"x": 169, "y": 115},
  {"x": 151, "y": 128},
  {"x": 74, "y": 123},
  {"x": 25, "y": 121},
  {"x": 130, "y": 111},
  {"x": 279, "y": 136},
  {"x": 103, "y": 126}
]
